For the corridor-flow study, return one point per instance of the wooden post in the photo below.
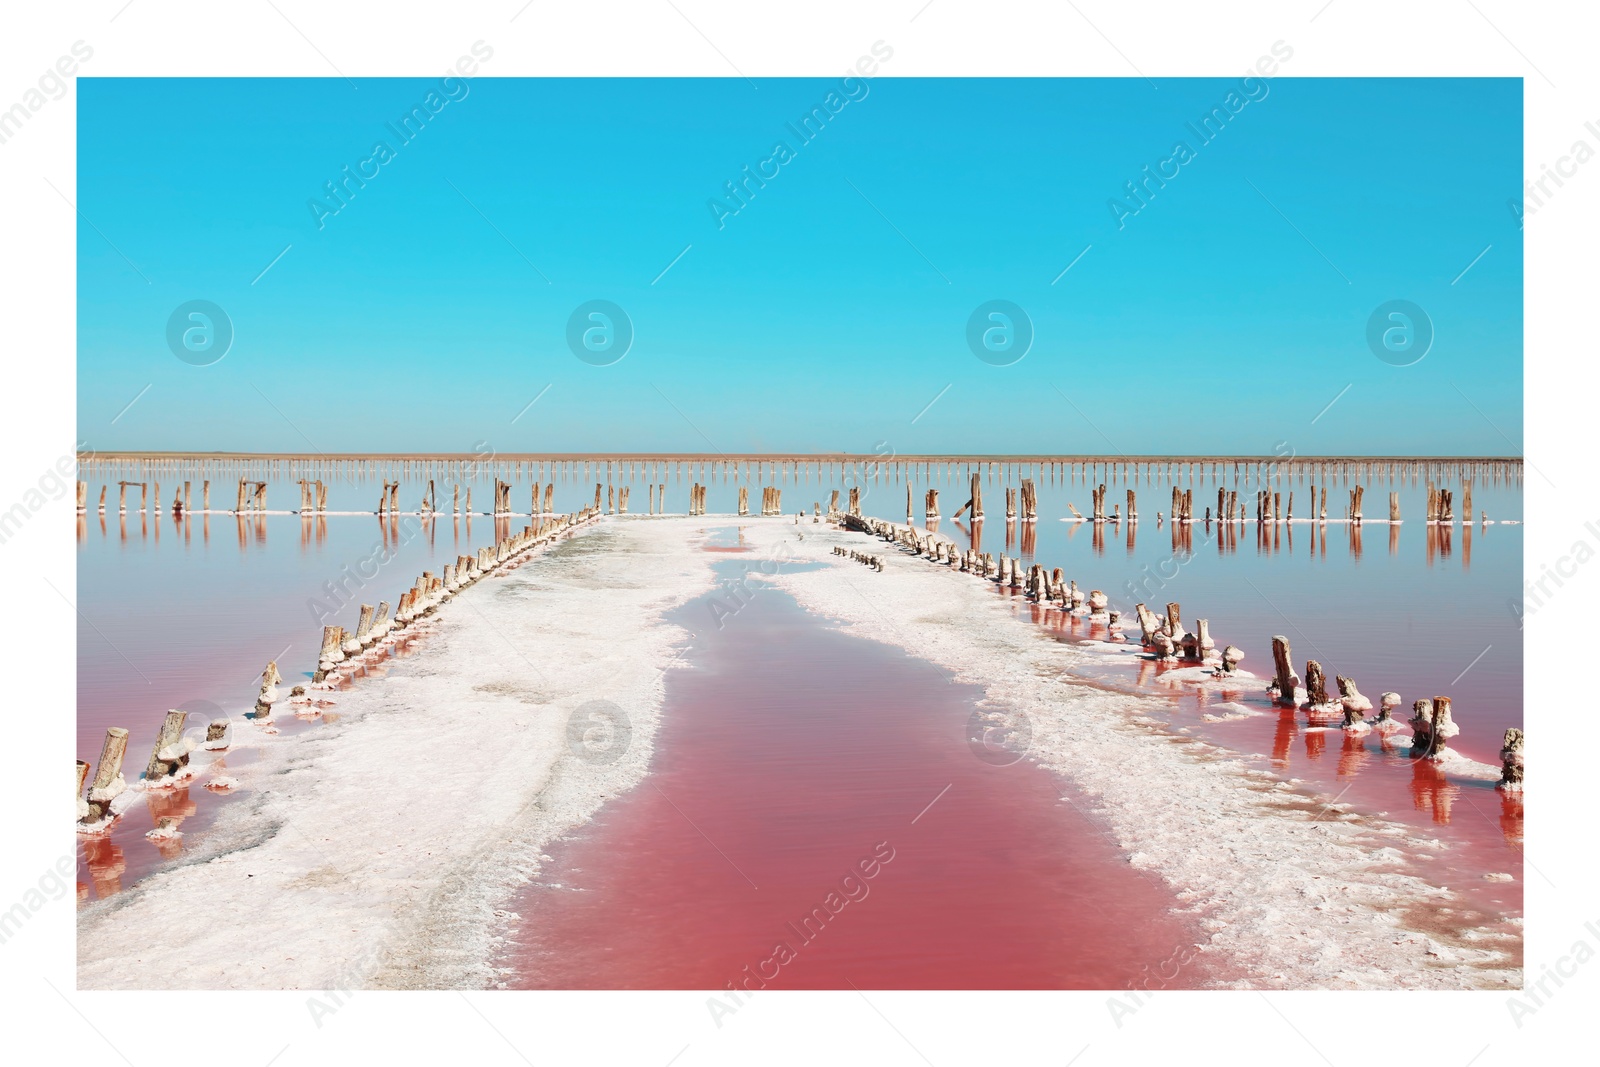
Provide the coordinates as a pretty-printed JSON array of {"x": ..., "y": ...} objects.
[
  {"x": 1355, "y": 705},
  {"x": 1466, "y": 506},
  {"x": 549, "y": 496},
  {"x": 1511, "y": 771},
  {"x": 908, "y": 502},
  {"x": 977, "y": 498},
  {"x": 83, "y": 507},
  {"x": 107, "y": 776},
  {"x": 102, "y": 500},
  {"x": 1285, "y": 681},
  {"x": 1394, "y": 507},
  {"x": 205, "y": 495},
  {"x": 1421, "y": 728},
  {"x": 169, "y": 755}
]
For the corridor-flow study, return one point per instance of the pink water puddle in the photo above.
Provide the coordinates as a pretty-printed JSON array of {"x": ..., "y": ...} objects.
[{"x": 791, "y": 762}]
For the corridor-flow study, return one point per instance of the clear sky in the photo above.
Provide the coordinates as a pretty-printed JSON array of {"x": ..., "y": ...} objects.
[{"x": 1223, "y": 316}]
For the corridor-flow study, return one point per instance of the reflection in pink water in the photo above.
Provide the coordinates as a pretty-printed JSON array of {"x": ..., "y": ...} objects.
[{"x": 789, "y": 755}]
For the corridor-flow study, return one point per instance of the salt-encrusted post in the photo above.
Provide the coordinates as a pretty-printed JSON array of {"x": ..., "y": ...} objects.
[
  {"x": 83, "y": 499},
  {"x": 107, "y": 776},
  {"x": 1355, "y": 705},
  {"x": 933, "y": 503},
  {"x": 744, "y": 500},
  {"x": 1511, "y": 769},
  {"x": 170, "y": 755},
  {"x": 1133, "y": 512},
  {"x": 909, "y": 513},
  {"x": 270, "y": 679},
  {"x": 977, "y": 498},
  {"x": 1421, "y": 728},
  {"x": 1355, "y": 504},
  {"x": 102, "y": 500},
  {"x": 550, "y": 490},
  {"x": 597, "y": 496}
]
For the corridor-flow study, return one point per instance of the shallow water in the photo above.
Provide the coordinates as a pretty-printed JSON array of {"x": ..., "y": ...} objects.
[
  {"x": 788, "y": 756},
  {"x": 186, "y": 613}
]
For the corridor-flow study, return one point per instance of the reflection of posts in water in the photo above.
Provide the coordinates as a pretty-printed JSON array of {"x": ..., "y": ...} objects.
[
  {"x": 1316, "y": 741},
  {"x": 1283, "y": 737},
  {"x": 205, "y": 528},
  {"x": 1394, "y": 539},
  {"x": 1353, "y": 756},
  {"x": 1011, "y": 533},
  {"x": 106, "y": 864},
  {"x": 102, "y": 524},
  {"x": 1466, "y": 546},
  {"x": 1132, "y": 526},
  {"x": 1355, "y": 539},
  {"x": 1099, "y": 538},
  {"x": 83, "y": 527},
  {"x": 1431, "y": 791},
  {"x": 238, "y": 517},
  {"x": 1511, "y": 815},
  {"x": 1030, "y": 539}
]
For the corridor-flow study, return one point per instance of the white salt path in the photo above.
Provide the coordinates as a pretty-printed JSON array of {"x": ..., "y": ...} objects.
[{"x": 372, "y": 852}]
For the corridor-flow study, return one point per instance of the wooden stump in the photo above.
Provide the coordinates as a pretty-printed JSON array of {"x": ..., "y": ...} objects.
[
  {"x": 1284, "y": 681},
  {"x": 1511, "y": 770},
  {"x": 1316, "y": 685},
  {"x": 170, "y": 754},
  {"x": 108, "y": 781}
]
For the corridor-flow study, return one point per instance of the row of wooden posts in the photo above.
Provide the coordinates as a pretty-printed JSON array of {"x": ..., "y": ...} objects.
[
  {"x": 875, "y": 562},
  {"x": 252, "y": 498},
  {"x": 375, "y": 629},
  {"x": 1169, "y": 641}
]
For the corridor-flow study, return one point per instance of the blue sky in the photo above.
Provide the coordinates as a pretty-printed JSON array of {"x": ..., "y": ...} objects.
[{"x": 1221, "y": 317}]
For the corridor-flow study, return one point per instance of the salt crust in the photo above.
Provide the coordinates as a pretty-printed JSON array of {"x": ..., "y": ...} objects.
[{"x": 375, "y": 851}]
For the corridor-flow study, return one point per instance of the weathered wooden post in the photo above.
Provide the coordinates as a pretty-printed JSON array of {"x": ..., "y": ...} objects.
[
  {"x": 1316, "y": 685},
  {"x": 933, "y": 503},
  {"x": 1421, "y": 728},
  {"x": 269, "y": 684},
  {"x": 83, "y": 505},
  {"x": 1355, "y": 705},
  {"x": 170, "y": 754},
  {"x": 102, "y": 500},
  {"x": 205, "y": 495},
  {"x": 977, "y": 498},
  {"x": 1355, "y": 504},
  {"x": 1394, "y": 508},
  {"x": 1466, "y": 504},
  {"x": 1511, "y": 769},
  {"x": 1284, "y": 681},
  {"x": 108, "y": 781}
]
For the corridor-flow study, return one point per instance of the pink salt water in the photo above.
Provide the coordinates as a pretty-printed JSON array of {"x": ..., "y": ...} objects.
[
  {"x": 792, "y": 759},
  {"x": 187, "y": 613}
]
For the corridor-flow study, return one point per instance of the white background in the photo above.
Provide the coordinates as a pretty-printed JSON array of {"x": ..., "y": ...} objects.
[{"x": 1548, "y": 45}]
